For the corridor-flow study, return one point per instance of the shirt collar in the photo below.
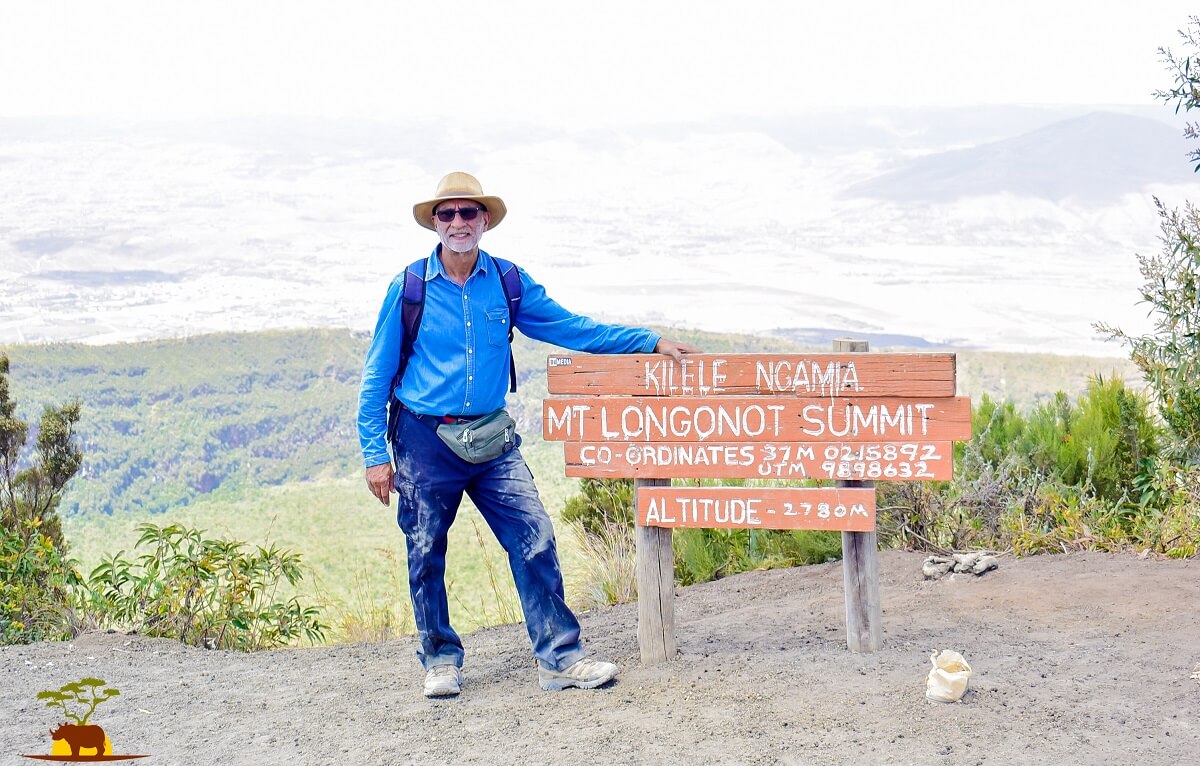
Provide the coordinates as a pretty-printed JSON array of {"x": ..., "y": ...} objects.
[{"x": 434, "y": 268}]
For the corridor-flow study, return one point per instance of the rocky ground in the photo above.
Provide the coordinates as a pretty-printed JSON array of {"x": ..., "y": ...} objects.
[{"x": 1081, "y": 659}]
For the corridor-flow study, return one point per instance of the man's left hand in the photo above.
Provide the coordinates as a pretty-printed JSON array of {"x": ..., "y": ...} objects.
[{"x": 674, "y": 349}]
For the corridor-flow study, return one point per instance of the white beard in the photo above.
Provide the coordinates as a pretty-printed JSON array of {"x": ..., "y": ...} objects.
[{"x": 464, "y": 246}]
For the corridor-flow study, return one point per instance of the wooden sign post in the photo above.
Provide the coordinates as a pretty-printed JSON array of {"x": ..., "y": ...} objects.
[
  {"x": 860, "y": 563},
  {"x": 849, "y": 417}
]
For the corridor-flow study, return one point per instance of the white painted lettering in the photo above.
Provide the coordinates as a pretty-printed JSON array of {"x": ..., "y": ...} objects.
[
  {"x": 850, "y": 377},
  {"x": 656, "y": 420},
  {"x": 702, "y": 432},
  {"x": 762, "y": 378},
  {"x": 718, "y": 377},
  {"x": 635, "y": 432},
  {"x": 680, "y": 426},
  {"x": 827, "y": 380},
  {"x": 687, "y": 378},
  {"x": 815, "y": 427},
  {"x": 868, "y": 422},
  {"x": 762, "y": 421},
  {"x": 604, "y": 430},
  {"x": 653, "y": 371},
  {"x": 896, "y": 421},
  {"x": 653, "y": 513},
  {"x": 924, "y": 410}
]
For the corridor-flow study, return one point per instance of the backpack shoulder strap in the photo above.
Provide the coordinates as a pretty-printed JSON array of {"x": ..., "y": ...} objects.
[
  {"x": 510, "y": 281},
  {"x": 412, "y": 306}
]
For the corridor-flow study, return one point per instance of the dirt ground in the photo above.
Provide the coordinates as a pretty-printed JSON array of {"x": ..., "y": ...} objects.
[{"x": 1080, "y": 659}]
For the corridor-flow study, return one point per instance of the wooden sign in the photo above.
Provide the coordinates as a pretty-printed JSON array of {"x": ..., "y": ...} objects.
[
  {"x": 891, "y": 461},
  {"x": 757, "y": 508},
  {"x": 847, "y": 416},
  {"x": 850, "y": 374},
  {"x": 752, "y": 419}
]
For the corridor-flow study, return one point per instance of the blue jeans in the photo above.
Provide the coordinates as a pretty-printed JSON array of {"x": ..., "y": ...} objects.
[{"x": 430, "y": 481}]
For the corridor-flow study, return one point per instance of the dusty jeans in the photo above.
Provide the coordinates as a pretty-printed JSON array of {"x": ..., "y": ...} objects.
[{"x": 430, "y": 481}]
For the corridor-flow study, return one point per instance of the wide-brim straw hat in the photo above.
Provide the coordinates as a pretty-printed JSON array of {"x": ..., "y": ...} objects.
[{"x": 458, "y": 185}]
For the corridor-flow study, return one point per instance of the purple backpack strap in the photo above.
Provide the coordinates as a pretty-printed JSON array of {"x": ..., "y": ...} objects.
[
  {"x": 510, "y": 280},
  {"x": 412, "y": 305}
]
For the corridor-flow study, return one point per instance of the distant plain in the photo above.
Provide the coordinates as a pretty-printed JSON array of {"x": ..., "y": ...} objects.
[{"x": 999, "y": 228}]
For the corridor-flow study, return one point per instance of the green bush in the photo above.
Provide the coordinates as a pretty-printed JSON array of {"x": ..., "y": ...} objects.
[
  {"x": 996, "y": 426},
  {"x": 706, "y": 554},
  {"x": 600, "y": 504},
  {"x": 1072, "y": 475},
  {"x": 203, "y": 591},
  {"x": 35, "y": 587},
  {"x": 1100, "y": 444},
  {"x": 1170, "y": 520}
]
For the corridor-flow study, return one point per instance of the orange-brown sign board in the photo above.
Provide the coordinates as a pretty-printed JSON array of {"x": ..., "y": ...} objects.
[
  {"x": 846, "y": 509},
  {"x": 817, "y": 375},
  {"x": 890, "y": 461},
  {"x": 755, "y": 419}
]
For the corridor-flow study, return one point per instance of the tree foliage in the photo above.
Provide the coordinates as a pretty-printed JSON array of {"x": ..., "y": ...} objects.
[
  {"x": 1185, "y": 68},
  {"x": 84, "y": 694},
  {"x": 29, "y": 496},
  {"x": 1169, "y": 355},
  {"x": 35, "y": 572}
]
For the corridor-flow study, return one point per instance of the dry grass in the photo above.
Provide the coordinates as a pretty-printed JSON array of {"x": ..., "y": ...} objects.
[
  {"x": 505, "y": 608},
  {"x": 370, "y": 613},
  {"x": 608, "y": 570}
]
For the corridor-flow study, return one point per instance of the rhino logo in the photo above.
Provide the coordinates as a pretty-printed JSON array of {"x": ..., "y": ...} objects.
[{"x": 81, "y": 736}]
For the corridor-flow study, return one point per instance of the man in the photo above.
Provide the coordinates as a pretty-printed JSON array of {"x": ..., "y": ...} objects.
[{"x": 458, "y": 372}]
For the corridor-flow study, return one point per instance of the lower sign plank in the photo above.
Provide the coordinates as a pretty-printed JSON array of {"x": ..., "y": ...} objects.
[
  {"x": 889, "y": 461},
  {"x": 849, "y": 510}
]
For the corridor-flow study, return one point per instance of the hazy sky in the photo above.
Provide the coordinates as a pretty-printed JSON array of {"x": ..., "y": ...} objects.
[{"x": 572, "y": 63}]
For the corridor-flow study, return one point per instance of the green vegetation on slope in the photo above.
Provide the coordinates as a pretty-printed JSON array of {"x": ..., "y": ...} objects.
[{"x": 165, "y": 423}]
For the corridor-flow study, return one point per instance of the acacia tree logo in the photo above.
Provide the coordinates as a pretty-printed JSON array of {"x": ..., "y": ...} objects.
[
  {"x": 78, "y": 701},
  {"x": 75, "y": 694}
]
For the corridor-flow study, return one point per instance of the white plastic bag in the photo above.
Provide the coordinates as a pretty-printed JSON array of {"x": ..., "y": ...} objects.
[{"x": 947, "y": 682}]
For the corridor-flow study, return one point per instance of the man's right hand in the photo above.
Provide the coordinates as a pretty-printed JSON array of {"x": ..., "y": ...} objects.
[{"x": 379, "y": 480}]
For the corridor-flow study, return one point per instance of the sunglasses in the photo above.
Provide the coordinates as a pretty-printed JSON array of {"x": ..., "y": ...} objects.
[{"x": 467, "y": 213}]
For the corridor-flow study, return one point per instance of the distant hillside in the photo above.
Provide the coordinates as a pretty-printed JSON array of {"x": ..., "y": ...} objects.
[
  {"x": 1096, "y": 157},
  {"x": 168, "y": 422}
]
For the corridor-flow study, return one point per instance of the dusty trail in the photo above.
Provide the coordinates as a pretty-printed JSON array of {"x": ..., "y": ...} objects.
[{"x": 1081, "y": 659}]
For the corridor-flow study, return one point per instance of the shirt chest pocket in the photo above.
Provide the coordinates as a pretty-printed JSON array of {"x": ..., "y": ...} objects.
[{"x": 497, "y": 326}]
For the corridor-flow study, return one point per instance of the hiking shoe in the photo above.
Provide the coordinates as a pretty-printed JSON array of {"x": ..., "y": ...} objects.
[
  {"x": 443, "y": 681},
  {"x": 586, "y": 674}
]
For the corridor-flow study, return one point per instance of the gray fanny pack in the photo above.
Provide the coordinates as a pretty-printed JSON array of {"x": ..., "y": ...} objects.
[{"x": 482, "y": 439}]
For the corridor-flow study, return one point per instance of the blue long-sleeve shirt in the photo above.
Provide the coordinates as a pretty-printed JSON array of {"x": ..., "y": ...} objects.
[{"x": 460, "y": 359}]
